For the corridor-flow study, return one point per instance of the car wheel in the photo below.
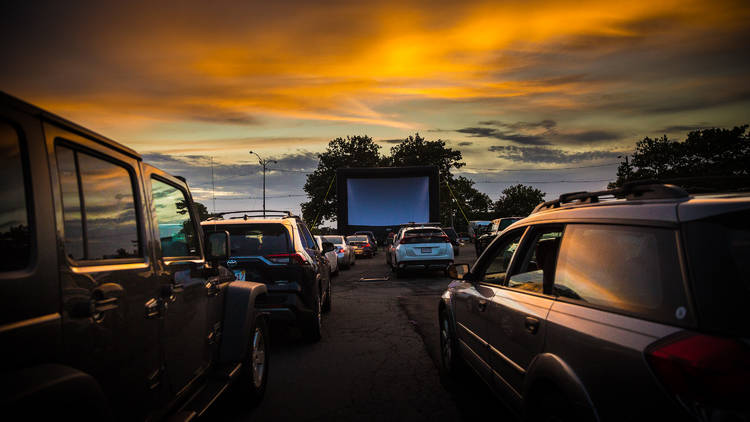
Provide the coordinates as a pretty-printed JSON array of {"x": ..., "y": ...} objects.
[
  {"x": 327, "y": 301},
  {"x": 312, "y": 330},
  {"x": 451, "y": 363},
  {"x": 252, "y": 384}
]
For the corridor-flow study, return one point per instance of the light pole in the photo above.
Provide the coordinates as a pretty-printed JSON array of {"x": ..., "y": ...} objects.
[{"x": 264, "y": 163}]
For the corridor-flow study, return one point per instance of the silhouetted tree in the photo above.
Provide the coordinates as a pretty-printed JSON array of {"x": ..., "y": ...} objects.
[{"x": 518, "y": 201}]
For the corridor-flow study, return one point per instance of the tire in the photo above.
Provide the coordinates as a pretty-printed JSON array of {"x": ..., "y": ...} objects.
[
  {"x": 452, "y": 366},
  {"x": 254, "y": 376},
  {"x": 314, "y": 323},
  {"x": 327, "y": 302}
]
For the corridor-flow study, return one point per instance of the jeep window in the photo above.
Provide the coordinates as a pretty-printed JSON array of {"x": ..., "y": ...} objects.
[
  {"x": 105, "y": 211},
  {"x": 176, "y": 228},
  {"x": 15, "y": 231},
  {"x": 538, "y": 266},
  {"x": 500, "y": 258},
  {"x": 258, "y": 239},
  {"x": 632, "y": 269},
  {"x": 718, "y": 250}
]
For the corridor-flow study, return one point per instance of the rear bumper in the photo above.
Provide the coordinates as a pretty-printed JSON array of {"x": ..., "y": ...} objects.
[
  {"x": 284, "y": 302},
  {"x": 365, "y": 252},
  {"x": 425, "y": 264}
]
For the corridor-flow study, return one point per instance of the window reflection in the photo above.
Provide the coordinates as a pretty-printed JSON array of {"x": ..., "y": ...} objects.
[
  {"x": 537, "y": 270},
  {"x": 73, "y": 228},
  {"x": 15, "y": 235},
  {"x": 176, "y": 229},
  {"x": 497, "y": 268}
]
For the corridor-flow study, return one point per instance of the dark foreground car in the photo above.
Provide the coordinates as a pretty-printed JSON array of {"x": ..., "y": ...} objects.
[
  {"x": 631, "y": 309},
  {"x": 280, "y": 252},
  {"x": 113, "y": 302}
]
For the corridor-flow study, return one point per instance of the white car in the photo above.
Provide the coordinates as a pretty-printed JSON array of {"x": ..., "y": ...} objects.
[
  {"x": 344, "y": 253},
  {"x": 422, "y": 248},
  {"x": 330, "y": 255}
]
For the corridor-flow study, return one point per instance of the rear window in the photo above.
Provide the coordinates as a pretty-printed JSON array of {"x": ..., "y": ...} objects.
[
  {"x": 505, "y": 223},
  {"x": 336, "y": 240},
  {"x": 451, "y": 233},
  {"x": 256, "y": 239},
  {"x": 631, "y": 269},
  {"x": 718, "y": 251},
  {"x": 357, "y": 239}
]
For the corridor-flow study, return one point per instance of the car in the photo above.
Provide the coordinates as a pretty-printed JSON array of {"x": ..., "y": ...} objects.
[
  {"x": 114, "y": 302},
  {"x": 371, "y": 237},
  {"x": 477, "y": 227},
  {"x": 276, "y": 248},
  {"x": 627, "y": 308},
  {"x": 344, "y": 253},
  {"x": 421, "y": 248},
  {"x": 453, "y": 236},
  {"x": 361, "y": 245},
  {"x": 487, "y": 236},
  {"x": 331, "y": 256}
]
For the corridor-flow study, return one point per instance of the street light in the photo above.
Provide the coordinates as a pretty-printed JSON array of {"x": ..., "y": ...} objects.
[{"x": 264, "y": 163}]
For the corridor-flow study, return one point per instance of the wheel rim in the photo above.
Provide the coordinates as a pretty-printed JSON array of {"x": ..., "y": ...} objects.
[
  {"x": 258, "y": 356},
  {"x": 446, "y": 344}
]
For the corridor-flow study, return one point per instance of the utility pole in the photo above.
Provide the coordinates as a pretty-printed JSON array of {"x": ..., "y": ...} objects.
[{"x": 264, "y": 163}]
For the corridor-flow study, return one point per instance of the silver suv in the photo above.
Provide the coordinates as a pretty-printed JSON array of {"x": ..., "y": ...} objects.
[{"x": 626, "y": 309}]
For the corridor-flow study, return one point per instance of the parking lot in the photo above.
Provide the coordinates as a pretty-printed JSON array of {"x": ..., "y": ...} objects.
[{"x": 377, "y": 360}]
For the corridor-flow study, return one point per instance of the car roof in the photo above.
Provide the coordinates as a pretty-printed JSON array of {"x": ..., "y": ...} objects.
[
  {"x": 422, "y": 228},
  {"x": 241, "y": 221}
]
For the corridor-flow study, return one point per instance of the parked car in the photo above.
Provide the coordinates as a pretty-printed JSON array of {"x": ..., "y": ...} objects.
[
  {"x": 331, "y": 257},
  {"x": 371, "y": 238},
  {"x": 344, "y": 253},
  {"x": 594, "y": 309},
  {"x": 421, "y": 248},
  {"x": 453, "y": 236},
  {"x": 476, "y": 227},
  {"x": 279, "y": 251},
  {"x": 498, "y": 225},
  {"x": 114, "y": 304},
  {"x": 361, "y": 245}
]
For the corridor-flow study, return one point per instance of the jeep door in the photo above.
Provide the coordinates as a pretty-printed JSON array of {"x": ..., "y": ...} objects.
[
  {"x": 181, "y": 273},
  {"x": 106, "y": 271},
  {"x": 519, "y": 306}
]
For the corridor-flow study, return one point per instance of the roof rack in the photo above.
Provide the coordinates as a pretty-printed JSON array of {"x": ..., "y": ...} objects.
[
  {"x": 253, "y": 213},
  {"x": 641, "y": 189}
]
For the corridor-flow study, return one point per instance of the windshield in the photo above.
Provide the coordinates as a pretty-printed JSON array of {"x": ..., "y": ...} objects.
[{"x": 256, "y": 239}]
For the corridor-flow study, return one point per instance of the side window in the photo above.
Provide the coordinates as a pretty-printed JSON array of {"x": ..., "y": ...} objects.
[
  {"x": 15, "y": 231},
  {"x": 500, "y": 258},
  {"x": 307, "y": 237},
  {"x": 176, "y": 228},
  {"x": 98, "y": 207},
  {"x": 634, "y": 269},
  {"x": 537, "y": 268}
]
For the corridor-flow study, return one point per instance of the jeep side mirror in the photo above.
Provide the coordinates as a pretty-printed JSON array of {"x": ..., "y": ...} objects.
[
  {"x": 217, "y": 245},
  {"x": 459, "y": 272},
  {"x": 327, "y": 247}
]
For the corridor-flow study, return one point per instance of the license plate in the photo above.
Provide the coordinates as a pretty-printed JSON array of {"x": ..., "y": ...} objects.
[
  {"x": 426, "y": 250},
  {"x": 239, "y": 275}
]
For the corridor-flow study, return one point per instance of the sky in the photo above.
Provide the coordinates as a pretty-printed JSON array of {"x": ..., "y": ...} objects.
[{"x": 547, "y": 93}]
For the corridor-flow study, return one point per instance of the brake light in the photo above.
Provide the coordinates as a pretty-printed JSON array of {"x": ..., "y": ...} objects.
[
  {"x": 287, "y": 258},
  {"x": 703, "y": 369},
  {"x": 446, "y": 239},
  {"x": 367, "y": 245}
]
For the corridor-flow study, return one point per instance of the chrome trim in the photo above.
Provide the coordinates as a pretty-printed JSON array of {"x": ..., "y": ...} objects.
[
  {"x": 498, "y": 376},
  {"x": 183, "y": 261},
  {"x": 507, "y": 359},
  {"x": 31, "y": 321},
  {"x": 473, "y": 334},
  {"x": 111, "y": 267}
]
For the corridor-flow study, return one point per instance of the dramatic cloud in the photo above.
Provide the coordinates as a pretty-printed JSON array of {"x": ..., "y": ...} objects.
[
  {"x": 544, "y": 132},
  {"x": 548, "y": 155},
  {"x": 487, "y": 132},
  {"x": 465, "y": 143}
]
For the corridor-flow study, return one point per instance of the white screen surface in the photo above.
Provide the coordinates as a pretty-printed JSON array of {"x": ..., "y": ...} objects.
[{"x": 388, "y": 201}]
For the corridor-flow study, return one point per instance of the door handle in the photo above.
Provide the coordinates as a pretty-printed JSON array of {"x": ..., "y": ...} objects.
[
  {"x": 532, "y": 324},
  {"x": 481, "y": 305},
  {"x": 212, "y": 289},
  {"x": 155, "y": 308},
  {"x": 169, "y": 291},
  {"x": 106, "y": 297}
]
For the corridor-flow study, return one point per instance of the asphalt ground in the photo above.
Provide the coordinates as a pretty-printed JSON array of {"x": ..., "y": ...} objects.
[{"x": 378, "y": 359}]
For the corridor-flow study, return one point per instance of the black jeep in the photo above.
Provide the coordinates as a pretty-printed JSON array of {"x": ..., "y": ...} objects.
[{"x": 112, "y": 302}]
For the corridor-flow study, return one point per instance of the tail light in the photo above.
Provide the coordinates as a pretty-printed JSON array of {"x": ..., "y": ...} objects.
[
  {"x": 446, "y": 239},
  {"x": 287, "y": 258},
  {"x": 367, "y": 245},
  {"x": 701, "y": 369},
  {"x": 340, "y": 249}
]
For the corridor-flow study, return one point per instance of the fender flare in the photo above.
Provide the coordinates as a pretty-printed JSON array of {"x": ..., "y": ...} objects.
[
  {"x": 53, "y": 391},
  {"x": 547, "y": 367},
  {"x": 239, "y": 317}
]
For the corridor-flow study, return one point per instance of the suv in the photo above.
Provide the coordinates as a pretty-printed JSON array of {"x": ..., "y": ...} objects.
[
  {"x": 113, "y": 302},
  {"x": 280, "y": 252},
  {"x": 423, "y": 248},
  {"x": 371, "y": 238},
  {"x": 627, "y": 309},
  {"x": 498, "y": 225}
]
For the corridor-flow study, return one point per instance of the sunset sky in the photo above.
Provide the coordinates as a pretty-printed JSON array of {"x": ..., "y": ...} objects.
[{"x": 520, "y": 87}]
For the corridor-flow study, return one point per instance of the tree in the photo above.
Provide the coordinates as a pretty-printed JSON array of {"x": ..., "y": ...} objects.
[
  {"x": 705, "y": 153},
  {"x": 354, "y": 151},
  {"x": 518, "y": 200},
  {"x": 474, "y": 204}
]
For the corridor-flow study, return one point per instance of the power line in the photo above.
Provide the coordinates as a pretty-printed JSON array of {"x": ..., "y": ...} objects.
[
  {"x": 539, "y": 169},
  {"x": 258, "y": 197},
  {"x": 544, "y": 181}
]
